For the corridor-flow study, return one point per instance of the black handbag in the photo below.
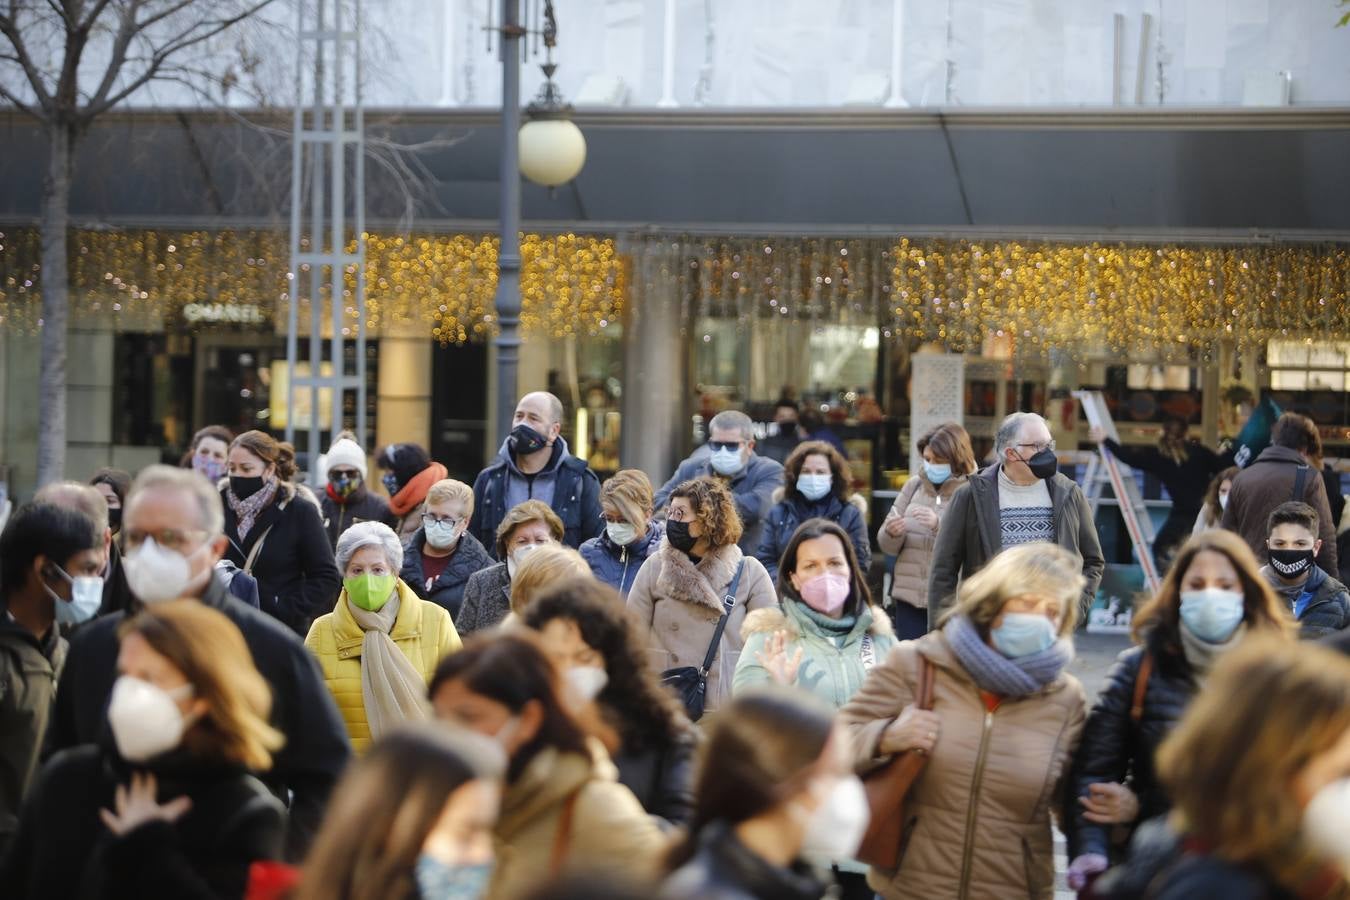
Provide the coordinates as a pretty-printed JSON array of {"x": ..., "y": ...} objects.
[{"x": 690, "y": 684}]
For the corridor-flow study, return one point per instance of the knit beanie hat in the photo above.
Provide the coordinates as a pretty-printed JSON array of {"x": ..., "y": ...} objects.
[{"x": 346, "y": 452}]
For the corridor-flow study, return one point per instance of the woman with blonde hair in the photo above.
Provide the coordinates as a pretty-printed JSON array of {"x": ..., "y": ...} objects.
[
  {"x": 631, "y": 534},
  {"x": 1259, "y": 775},
  {"x": 442, "y": 555},
  {"x": 165, "y": 805},
  {"x": 525, "y": 528},
  {"x": 540, "y": 571},
  {"x": 1005, "y": 719},
  {"x": 698, "y": 576},
  {"x": 380, "y": 644},
  {"x": 1212, "y": 597}
]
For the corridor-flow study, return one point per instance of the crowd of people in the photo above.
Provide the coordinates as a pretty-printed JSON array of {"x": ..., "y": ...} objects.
[{"x": 216, "y": 684}]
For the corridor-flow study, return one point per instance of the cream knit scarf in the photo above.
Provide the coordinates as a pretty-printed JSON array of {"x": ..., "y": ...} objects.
[{"x": 392, "y": 690}]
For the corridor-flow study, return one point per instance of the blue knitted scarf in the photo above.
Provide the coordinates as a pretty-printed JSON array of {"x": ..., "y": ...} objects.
[{"x": 996, "y": 673}]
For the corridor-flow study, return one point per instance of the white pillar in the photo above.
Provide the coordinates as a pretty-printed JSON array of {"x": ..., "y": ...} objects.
[
  {"x": 897, "y": 99},
  {"x": 668, "y": 59},
  {"x": 448, "y": 97}
]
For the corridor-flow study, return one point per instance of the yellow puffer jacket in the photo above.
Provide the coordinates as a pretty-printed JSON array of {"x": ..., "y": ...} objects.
[{"x": 423, "y": 631}]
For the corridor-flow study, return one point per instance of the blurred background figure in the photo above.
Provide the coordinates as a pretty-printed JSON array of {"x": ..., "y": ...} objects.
[
  {"x": 165, "y": 804},
  {"x": 540, "y": 571},
  {"x": 1216, "y": 500},
  {"x": 208, "y": 454},
  {"x": 408, "y": 474},
  {"x": 347, "y": 499},
  {"x": 1259, "y": 774},
  {"x": 432, "y": 794}
]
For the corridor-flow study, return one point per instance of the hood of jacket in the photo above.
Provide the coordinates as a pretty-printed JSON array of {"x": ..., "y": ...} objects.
[
  {"x": 789, "y": 617},
  {"x": 682, "y": 580},
  {"x": 546, "y": 782},
  {"x": 1275, "y": 454}
]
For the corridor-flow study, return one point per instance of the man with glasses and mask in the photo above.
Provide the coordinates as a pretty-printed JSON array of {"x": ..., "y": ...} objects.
[
  {"x": 51, "y": 560},
  {"x": 1020, "y": 499},
  {"x": 730, "y": 456},
  {"x": 173, "y": 528},
  {"x": 534, "y": 464}
]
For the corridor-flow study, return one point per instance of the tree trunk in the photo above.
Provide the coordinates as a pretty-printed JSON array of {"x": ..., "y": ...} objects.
[{"x": 55, "y": 284}]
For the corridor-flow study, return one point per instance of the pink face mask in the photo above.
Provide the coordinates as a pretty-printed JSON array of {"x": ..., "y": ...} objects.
[{"x": 826, "y": 593}]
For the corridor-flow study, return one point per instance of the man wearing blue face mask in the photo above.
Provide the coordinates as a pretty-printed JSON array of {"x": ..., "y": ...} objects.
[
  {"x": 50, "y": 560},
  {"x": 731, "y": 456},
  {"x": 1021, "y": 499}
]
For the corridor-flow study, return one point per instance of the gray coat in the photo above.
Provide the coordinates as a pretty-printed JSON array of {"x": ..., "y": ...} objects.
[
  {"x": 487, "y": 599},
  {"x": 970, "y": 536}
]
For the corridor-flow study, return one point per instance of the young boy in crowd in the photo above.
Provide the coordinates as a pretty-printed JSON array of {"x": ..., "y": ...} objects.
[{"x": 1320, "y": 603}]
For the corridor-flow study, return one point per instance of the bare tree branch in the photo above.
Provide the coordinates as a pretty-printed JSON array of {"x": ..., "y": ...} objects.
[
  {"x": 23, "y": 107},
  {"x": 117, "y": 55},
  {"x": 30, "y": 70}
]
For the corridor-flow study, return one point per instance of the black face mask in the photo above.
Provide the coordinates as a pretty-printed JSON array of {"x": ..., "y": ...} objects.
[
  {"x": 680, "y": 538},
  {"x": 244, "y": 488},
  {"x": 115, "y": 519},
  {"x": 1291, "y": 563},
  {"x": 524, "y": 440},
  {"x": 1043, "y": 464}
]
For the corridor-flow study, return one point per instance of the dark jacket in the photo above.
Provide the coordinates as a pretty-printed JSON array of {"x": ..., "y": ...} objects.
[
  {"x": 361, "y": 506},
  {"x": 1321, "y": 604},
  {"x": 752, "y": 488},
  {"x": 448, "y": 591},
  {"x": 116, "y": 592},
  {"x": 1339, "y": 641},
  {"x": 617, "y": 566},
  {"x": 297, "y": 578},
  {"x": 723, "y": 868},
  {"x": 1114, "y": 749},
  {"x": 795, "y": 509},
  {"x": 1265, "y": 484},
  {"x": 29, "y": 669},
  {"x": 316, "y": 749},
  {"x": 1187, "y": 481},
  {"x": 970, "y": 536},
  {"x": 1160, "y": 868},
  {"x": 576, "y": 496},
  {"x": 662, "y": 778},
  {"x": 63, "y": 849},
  {"x": 487, "y": 599}
]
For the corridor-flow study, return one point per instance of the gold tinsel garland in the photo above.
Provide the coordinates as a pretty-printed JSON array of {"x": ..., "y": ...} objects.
[{"x": 1130, "y": 298}]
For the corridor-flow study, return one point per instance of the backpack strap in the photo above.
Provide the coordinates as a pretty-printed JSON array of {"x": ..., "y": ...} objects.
[
  {"x": 1300, "y": 482},
  {"x": 1141, "y": 688}
]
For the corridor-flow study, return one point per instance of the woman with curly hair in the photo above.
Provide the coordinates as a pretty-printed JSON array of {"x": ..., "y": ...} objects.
[
  {"x": 678, "y": 595},
  {"x": 817, "y": 485},
  {"x": 583, "y": 628}
]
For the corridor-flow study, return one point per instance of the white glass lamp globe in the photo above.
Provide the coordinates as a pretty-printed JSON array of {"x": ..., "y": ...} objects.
[{"x": 552, "y": 151}]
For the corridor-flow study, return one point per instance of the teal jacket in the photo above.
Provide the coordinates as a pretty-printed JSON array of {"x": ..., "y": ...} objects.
[{"x": 832, "y": 665}]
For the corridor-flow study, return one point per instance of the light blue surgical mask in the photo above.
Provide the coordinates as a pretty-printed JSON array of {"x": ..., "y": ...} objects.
[
  {"x": 621, "y": 533},
  {"x": 441, "y": 535},
  {"x": 1212, "y": 614},
  {"x": 1023, "y": 634},
  {"x": 86, "y": 596},
  {"x": 937, "y": 473},
  {"x": 813, "y": 487},
  {"x": 727, "y": 462},
  {"x": 438, "y": 881}
]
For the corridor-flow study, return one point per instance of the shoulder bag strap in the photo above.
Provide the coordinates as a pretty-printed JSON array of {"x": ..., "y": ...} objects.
[
  {"x": 562, "y": 840},
  {"x": 728, "y": 603},
  {"x": 255, "y": 550},
  {"x": 1300, "y": 480},
  {"x": 1141, "y": 688},
  {"x": 927, "y": 672}
]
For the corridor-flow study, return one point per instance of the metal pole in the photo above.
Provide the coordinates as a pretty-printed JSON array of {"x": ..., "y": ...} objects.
[
  {"x": 668, "y": 59},
  {"x": 897, "y": 98},
  {"x": 508, "y": 256}
]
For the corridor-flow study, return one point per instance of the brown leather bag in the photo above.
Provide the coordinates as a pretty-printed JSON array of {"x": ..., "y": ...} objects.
[{"x": 887, "y": 787}]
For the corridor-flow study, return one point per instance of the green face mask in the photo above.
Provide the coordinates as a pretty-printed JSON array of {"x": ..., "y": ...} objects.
[{"x": 370, "y": 592}]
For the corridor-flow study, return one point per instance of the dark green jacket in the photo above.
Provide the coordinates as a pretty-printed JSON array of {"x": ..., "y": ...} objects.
[{"x": 29, "y": 670}]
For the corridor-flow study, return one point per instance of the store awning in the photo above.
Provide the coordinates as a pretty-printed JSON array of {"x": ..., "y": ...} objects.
[{"x": 1217, "y": 174}]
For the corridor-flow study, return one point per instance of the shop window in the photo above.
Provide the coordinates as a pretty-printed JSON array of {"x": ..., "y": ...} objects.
[{"x": 1309, "y": 366}]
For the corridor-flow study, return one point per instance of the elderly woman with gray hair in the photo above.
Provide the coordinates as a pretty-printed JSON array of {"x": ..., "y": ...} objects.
[{"x": 381, "y": 643}]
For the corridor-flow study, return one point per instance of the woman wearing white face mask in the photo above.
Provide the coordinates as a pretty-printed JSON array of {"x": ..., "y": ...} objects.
[
  {"x": 562, "y": 813},
  {"x": 1005, "y": 719},
  {"x": 817, "y": 485},
  {"x": 619, "y": 699},
  {"x": 380, "y": 644},
  {"x": 1212, "y": 597},
  {"x": 1259, "y": 773},
  {"x": 487, "y": 596},
  {"x": 776, "y": 789},
  {"x": 432, "y": 794},
  {"x": 165, "y": 805},
  {"x": 630, "y": 536},
  {"x": 442, "y": 555},
  {"x": 1216, "y": 500}
]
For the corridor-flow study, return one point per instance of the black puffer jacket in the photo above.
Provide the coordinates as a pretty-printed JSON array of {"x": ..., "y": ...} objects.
[
  {"x": 723, "y": 868},
  {"x": 662, "y": 778},
  {"x": 448, "y": 589},
  {"x": 1161, "y": 868},
  {"x": 1113, "y": 748}
]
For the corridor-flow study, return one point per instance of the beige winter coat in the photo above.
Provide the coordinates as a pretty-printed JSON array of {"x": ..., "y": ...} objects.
[
  {"x": 978, "y": 819},
  {"x": 913, "y": 549},
  {"x": 677, "y": 605}
]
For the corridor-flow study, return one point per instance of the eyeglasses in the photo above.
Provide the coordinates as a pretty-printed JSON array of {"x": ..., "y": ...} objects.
[
  {"x": 725, "y": 445},
  {"x": 429, "y": 519},
  {"x": 168, "y": 538},
  {"x": 1039, "y": 448}
]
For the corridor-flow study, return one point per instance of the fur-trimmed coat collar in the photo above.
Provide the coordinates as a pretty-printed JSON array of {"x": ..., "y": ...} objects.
[{"x": 701, "y": 585}]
